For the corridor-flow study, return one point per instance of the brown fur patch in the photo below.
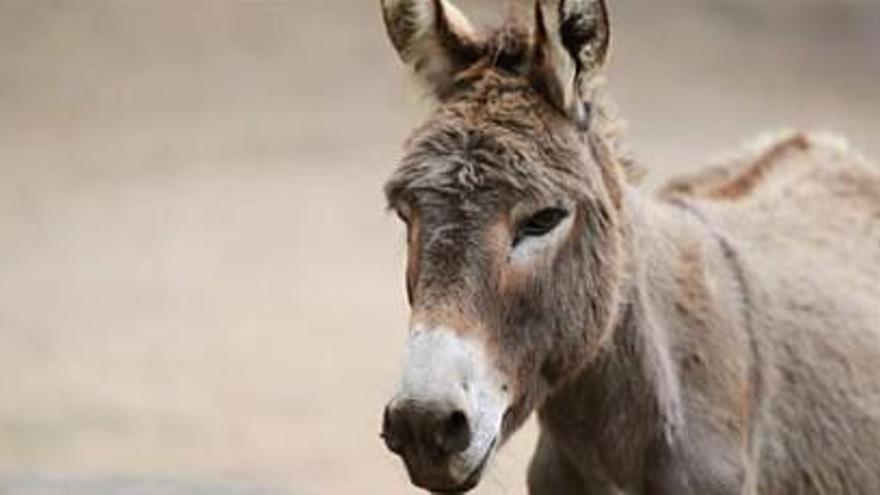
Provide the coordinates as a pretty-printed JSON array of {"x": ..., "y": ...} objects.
[
  {"x": 449, "y": 316},
  {"x": 750, "y": 178},
  {"x": 693, "y": 295},
  {"x": 735, "y": 182},
  {"x": 414, "y": 254}
]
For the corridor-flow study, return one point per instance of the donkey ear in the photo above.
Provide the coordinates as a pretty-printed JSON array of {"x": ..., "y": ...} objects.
[
  {"x": 571, "y": 45},
  {"x": 433, "y": 37}
]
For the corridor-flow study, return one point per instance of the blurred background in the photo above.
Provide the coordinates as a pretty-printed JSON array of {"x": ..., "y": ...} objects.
[{"x": 197, "y": 278}]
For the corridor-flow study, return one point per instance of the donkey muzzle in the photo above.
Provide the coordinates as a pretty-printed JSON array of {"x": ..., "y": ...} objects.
[
  {"x": 446, "y": 417},
  {"x": 427, "y": 437}
]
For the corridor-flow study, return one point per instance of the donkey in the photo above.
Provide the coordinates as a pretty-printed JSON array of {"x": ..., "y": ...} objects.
[{"x": 721, "y": 336}]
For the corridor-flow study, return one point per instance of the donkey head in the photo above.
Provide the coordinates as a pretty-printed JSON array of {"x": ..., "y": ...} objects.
[{"x": 512, "y": 207}]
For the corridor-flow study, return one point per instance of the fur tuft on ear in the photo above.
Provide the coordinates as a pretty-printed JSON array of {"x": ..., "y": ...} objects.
[
  {"x": 433, "y": 37},
  {"x": 570, "y": 47}
]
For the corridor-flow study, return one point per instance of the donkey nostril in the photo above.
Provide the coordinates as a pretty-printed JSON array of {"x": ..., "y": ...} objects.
[{"x": 454, "y": 434}]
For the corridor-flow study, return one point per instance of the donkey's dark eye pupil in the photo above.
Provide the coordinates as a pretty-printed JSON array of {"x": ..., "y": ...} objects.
[{"x": 539, "y": 224}]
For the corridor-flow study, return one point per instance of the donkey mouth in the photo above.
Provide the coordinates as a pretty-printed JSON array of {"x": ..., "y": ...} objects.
[{"x": 473, "y": 479}]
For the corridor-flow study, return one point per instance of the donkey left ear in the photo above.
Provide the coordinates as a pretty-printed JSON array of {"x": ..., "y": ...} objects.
[
  {"x": 571, "y": 46},
  {"x": 433, "y": 37}
]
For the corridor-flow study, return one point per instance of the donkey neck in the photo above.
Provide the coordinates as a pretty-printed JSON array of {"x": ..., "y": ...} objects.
[{"x": 625, "y": 406}]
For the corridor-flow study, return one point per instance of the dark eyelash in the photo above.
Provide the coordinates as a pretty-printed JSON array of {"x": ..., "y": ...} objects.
[{"x": 540, "y": 224}]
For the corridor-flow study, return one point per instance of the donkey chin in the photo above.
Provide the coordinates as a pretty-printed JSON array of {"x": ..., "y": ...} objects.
[{"x": 445, "y": 420}]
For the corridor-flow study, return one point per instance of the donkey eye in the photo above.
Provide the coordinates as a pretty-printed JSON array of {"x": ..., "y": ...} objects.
[{"x": 539, "y": 224}]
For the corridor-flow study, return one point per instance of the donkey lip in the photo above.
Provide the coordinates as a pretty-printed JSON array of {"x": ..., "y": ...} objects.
[
  {"x": 473, "y": 479},
  {"x": 471, "y": 482}
]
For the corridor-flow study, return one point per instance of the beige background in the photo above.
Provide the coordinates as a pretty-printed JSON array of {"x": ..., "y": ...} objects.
[{"x": 197, "y": 277}]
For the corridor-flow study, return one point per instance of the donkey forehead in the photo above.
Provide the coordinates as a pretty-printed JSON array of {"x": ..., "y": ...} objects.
[
  {"x": 497, "y": 142},
  {"x": 473, "y": 179}
]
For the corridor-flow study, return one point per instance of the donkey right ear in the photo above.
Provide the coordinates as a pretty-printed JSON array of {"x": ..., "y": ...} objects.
[{"x": 433, "y": 37}]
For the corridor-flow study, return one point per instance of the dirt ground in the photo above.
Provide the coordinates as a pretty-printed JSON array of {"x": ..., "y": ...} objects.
[{"x": 198, "y": 277}]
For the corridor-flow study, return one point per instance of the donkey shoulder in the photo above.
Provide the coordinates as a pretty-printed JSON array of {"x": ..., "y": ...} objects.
[{"x": 774, "y": 162}]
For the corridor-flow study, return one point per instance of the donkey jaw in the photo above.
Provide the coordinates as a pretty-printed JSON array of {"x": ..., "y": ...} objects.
[{"x": 445, "y": 420}]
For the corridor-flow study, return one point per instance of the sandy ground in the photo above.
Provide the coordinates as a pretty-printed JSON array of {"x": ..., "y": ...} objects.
[
  {"x": 198, "y": 278},
  {"x": 42, "y": 484}
]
